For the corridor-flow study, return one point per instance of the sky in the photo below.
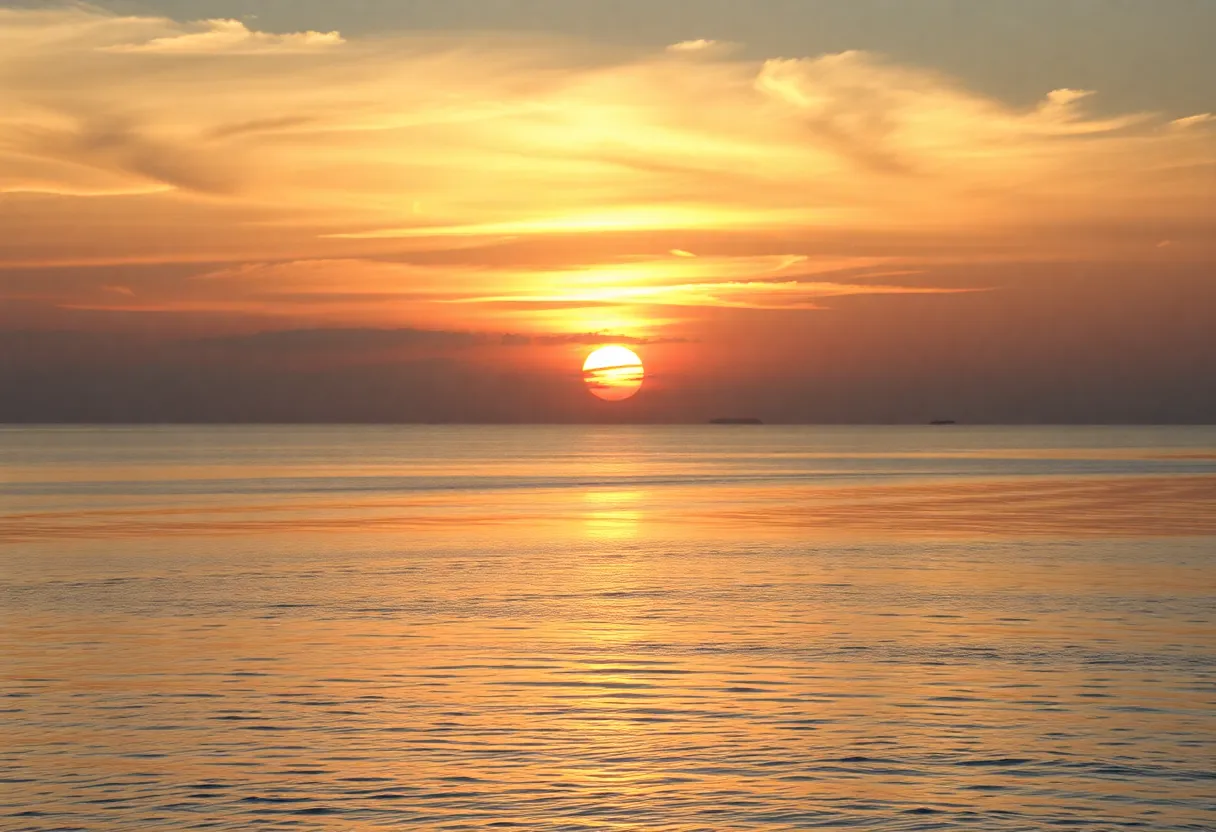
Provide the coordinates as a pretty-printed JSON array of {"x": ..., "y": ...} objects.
[{"x": 799, "y": 210}]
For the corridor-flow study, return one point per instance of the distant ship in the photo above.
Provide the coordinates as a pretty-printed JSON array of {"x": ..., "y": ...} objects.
[
  {"x": 943, "y": 422},
  {"x": 747, "y": 420}
]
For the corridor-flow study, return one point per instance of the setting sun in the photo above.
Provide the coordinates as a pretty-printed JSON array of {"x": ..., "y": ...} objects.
[{"x": 613, "y": 373}]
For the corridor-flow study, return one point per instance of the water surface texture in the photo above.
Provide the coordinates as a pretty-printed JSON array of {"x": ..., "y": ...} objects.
[{"x": 567, "y": 628}]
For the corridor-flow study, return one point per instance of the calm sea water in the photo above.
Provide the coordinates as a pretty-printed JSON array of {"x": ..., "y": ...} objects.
[{"x": 545, "y": 628}]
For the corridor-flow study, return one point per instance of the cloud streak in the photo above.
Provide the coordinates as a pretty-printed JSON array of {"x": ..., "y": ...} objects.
[
  {"x": 384, "y": 293},
  {"x": 229, "y": 37}
]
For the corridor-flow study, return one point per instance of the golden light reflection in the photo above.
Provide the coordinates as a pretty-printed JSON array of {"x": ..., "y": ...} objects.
[
  {"x": 613, "y": 515},
  {"x": 929, "y": 510}
]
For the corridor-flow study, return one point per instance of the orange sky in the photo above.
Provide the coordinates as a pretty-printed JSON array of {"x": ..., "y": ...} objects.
[{"x": 772, "y": 231}]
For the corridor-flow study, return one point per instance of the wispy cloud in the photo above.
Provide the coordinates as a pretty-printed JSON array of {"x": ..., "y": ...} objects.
[
  {"x": 232, "y": 37},
  {"x": 143, "y": 139},
  {"x": 754, "y": 294},
  {"x": 701, "y": 46},
  {"x": 364, "y": 340},
  {"x": 533, "y": 136},
  {"x": 379, "y": 292}
]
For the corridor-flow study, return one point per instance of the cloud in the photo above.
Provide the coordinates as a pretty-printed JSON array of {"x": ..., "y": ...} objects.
[
  {"x": 230, "y": 36},
  {"x": 1193, "y": 121},
  {"x": 365, "y": 341},
  {"x": 475, "y": 130},
  {"x": 755, "y": 294},
  {"x": 316, "y": 166},
  {"x": 760, "y": 282},
  {"x": 636, "y": 297},
  {"x": 699, "y": 45}
]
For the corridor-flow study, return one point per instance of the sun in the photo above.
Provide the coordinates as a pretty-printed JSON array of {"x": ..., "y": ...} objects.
[{"x": 613, "y": 373}]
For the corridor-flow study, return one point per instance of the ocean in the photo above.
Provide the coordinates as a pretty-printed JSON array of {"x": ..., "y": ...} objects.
[{"x": 607, "y": 628}]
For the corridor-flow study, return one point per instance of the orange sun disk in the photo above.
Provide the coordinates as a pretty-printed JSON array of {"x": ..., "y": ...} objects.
[{"x": 613, "y": 373}]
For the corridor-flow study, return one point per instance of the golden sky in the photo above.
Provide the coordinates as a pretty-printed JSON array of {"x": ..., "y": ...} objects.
[{"x": 202, "y": 176}]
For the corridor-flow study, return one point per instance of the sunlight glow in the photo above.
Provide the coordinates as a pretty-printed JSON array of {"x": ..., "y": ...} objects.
[{"x": 613, "y": 373}]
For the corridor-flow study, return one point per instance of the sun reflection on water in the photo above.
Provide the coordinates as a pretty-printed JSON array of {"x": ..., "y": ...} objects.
[{"x": 612, "y": 515}]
